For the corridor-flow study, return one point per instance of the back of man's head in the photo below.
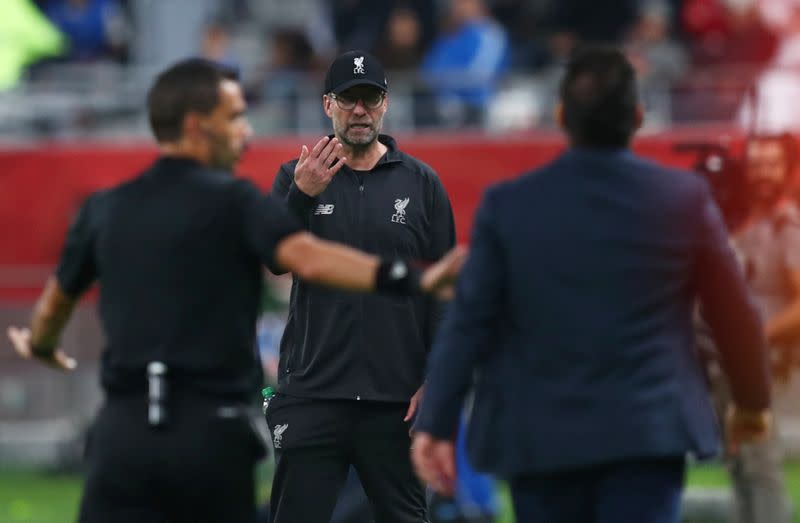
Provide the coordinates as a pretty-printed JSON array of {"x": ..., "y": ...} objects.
[
  {"x": 599, "y": 98},
  {"x": 189, "y": 86}
]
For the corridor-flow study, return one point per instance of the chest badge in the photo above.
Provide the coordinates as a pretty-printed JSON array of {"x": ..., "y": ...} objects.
[{"x": 400, "y": 210}]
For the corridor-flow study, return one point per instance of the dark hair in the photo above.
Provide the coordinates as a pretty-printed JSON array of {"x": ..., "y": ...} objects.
[
  {"x": 189, "y": 86},
  {"x": 599, "y": 97}
]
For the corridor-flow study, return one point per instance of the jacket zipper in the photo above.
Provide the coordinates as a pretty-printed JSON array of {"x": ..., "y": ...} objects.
[{"x": 361, "y": 234}]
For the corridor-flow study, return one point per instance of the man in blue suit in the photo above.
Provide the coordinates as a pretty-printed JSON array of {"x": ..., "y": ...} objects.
[{"x": 573, "y": 318}]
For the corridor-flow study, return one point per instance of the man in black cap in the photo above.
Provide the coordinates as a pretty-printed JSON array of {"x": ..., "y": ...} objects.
[
  {"x": 178, "y": 253},
  {"x": 351, "y": 367}
]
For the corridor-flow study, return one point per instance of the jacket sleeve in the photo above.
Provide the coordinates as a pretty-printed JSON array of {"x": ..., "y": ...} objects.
[
  {"x": 442, "y": 238},
  {"x": 472, "y": 322},
  {"x": 299, "y": 203},
  {"x": 729, "y": 310}
]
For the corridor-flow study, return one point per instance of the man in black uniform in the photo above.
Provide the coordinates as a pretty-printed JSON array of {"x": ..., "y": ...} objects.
[
  {"x": 178, "y": 252},
  {"x": 351, "y": 366}
]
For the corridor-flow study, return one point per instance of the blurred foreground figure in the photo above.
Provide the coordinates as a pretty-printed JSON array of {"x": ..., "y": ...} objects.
[
  {"x": 178, "y": 252},
  {"x": 574, "y": 311}
]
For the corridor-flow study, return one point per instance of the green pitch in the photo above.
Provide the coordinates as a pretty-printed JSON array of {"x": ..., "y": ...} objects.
[
  {"x": 31, "y": 497},
  {"x": 36, "y": 497}
]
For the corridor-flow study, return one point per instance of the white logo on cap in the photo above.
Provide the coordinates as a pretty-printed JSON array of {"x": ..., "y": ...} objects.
[{"x": 359, "y": 65}]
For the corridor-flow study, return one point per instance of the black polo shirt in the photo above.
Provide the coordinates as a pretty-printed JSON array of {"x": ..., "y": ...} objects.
[{"x": 178, "y": 252}]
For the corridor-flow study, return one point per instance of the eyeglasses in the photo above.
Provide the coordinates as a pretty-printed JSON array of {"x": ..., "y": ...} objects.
[{"x": 371, "y": 101}]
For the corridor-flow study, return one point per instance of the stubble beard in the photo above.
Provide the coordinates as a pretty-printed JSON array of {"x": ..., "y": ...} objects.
[{"x": 361, "y": 145}]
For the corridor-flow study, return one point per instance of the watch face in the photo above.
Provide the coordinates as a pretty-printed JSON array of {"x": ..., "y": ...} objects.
[{"x": 398, "y": 270}]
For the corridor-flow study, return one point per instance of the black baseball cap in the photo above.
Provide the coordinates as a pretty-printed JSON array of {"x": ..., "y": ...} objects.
[{"x": 354, "y": 68}]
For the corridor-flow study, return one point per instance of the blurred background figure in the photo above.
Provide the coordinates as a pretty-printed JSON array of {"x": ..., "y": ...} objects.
[
  {"x": 768, "y": 244},
  {"x": 27, "y": 37},
  {"x": 216, "y": 45},
  {"x": 465, "y": 63},
  {"x": 281, "y": 83},
  {"x": 402, "y": 46},
  {"x": 658, "y": 59},
  {"x": 96, "y": 29},
  {"x": 577, "y": 22},
  {"x": 729, "y": 45},
  {"x": 764, "y": 108}
]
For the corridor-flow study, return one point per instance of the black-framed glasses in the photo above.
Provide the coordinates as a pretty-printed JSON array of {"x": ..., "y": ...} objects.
[{"x": 371, "y": 100}]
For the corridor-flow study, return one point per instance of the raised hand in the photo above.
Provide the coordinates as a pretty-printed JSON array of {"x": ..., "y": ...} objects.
[{"x": 316, "y": 169}]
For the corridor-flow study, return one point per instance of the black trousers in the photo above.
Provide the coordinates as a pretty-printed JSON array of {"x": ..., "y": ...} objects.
[
  {"x": 198, "y": 467},
  {"x": 316, "y": 442}
]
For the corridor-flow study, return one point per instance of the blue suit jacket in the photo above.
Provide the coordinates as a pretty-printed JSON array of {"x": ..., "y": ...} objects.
[{"x": 573, "y": 319}]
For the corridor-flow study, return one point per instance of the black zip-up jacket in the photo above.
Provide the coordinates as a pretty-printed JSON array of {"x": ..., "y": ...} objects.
[{"x": 340, "y": 345}]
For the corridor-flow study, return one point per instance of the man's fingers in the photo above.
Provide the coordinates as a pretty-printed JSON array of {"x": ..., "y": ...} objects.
[
  {"x": 327, "y": 150},
  {"x": 64, "y": 362},
  {"x": 333, "y": 155},
  {"x": 446, "y": 293},
  {"x": 455, "y": 259},
  {"x": 434, "y": 462},
  {"x": 20, "y": 339},
  {"x": 443, "y": 272},
  {"x": 412, "y": 408},
  {"x": 424, "y": 465},
  {"x": 335, "y": 169},
  {"x": 303, "y": 155},
  {"x": 19, "y": 334},
  {"x": 319, "y": 146},
  {"x": 445, "y": 456}
]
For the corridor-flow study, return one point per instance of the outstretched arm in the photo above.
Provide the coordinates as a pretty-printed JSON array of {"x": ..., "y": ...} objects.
[{"x": 335, "y": 265}]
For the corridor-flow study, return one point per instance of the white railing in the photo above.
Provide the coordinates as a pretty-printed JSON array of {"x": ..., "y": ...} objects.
[{"x": 107, "y": 101}]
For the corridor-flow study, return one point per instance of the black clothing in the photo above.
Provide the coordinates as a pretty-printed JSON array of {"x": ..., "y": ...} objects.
[
  {"x": 316, "y": 441},
  {"x": 199, "y": 468},
  {"x": 179, "y": 253},
  {"x": 340, "y": 345}
]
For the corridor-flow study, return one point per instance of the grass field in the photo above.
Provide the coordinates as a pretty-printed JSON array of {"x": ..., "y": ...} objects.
[{"x": 30, "y": 497}]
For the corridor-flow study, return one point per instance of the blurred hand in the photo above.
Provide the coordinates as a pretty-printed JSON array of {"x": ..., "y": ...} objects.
[
  {"x": 413, "y": 404},
  {"x": 21, "y": 341},
  {"x": 313, "y": 172},
  {"x": 439, "y": 278},
  {"x": 435, "y": 462},
  {"x": 782, "y": 363},
  {"x": 746, "y": 426}
]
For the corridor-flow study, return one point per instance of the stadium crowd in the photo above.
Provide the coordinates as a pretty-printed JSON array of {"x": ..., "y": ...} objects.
[{"x": 484, "y": 63}]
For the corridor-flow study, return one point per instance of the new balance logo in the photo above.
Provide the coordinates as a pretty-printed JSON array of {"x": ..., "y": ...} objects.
[{"x": 324, "y": 209}]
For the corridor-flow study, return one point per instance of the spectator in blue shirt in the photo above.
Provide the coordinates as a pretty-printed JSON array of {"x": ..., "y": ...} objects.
[
  {"x": 464, "y": 63},
  {"x": 96, "y": 28}
]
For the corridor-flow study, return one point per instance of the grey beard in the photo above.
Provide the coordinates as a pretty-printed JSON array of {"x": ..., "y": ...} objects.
[{"x": 359, "y": 147}]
